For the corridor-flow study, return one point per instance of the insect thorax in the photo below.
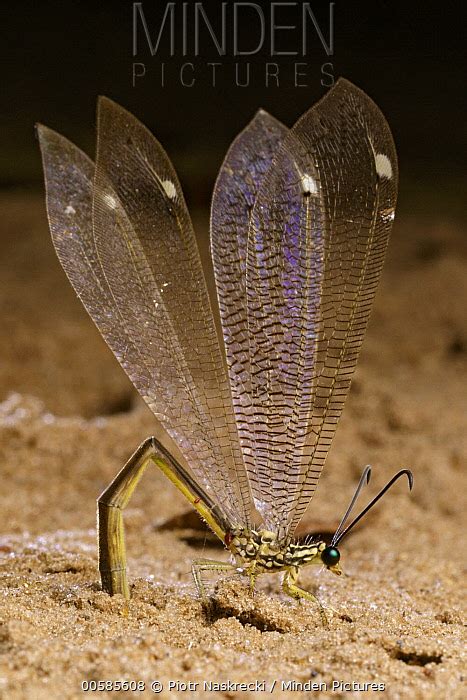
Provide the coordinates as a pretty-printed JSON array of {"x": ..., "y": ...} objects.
[{"x": 262, "y": 549}]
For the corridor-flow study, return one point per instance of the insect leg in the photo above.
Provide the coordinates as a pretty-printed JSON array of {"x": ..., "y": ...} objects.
[
  {"x": 200, "y": 565},
  {"x": 110, "y": 527},
  {"x": 253, "y": 577},
  {"x": 115, "y": 498},
  {"x": 289, "y": 586}
]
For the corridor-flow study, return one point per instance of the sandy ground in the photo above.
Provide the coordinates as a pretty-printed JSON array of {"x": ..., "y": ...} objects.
[{"x": 68, "y": 421}]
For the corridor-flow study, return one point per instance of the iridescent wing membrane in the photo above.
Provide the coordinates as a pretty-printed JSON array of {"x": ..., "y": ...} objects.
[
  {"x": 311, "y": 234},
  {"x": 299, "y": 226},
  {"x": 124, "y": 237}
]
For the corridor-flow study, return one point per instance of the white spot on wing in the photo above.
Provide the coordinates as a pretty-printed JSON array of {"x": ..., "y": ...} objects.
[
  {"x": 70, "y": 210},
  {"x": 388, "y": 215},
  {"x": 309, "y": 185},
  {"x": 169, "y": 188},
  {"x": 383, "y": 166},
  {"x": 110, "y": 201}
]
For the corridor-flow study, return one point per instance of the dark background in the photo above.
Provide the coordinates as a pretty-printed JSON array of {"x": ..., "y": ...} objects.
[{"x": 58, "y": 56}]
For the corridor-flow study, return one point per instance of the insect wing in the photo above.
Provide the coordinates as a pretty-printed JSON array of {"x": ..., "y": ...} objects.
[
  {"x": 316, "y": 243},
  {"x": 242, "y": 172},
  {"x": 133, "y": 240},
  {"x": 69, "y": 175}
]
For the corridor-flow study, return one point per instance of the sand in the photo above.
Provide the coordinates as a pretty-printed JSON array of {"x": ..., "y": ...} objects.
[{"x": 68, "y": 421}]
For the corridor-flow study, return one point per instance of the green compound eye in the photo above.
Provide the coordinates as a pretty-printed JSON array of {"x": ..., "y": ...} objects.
[{"x": 330, "y": 556}]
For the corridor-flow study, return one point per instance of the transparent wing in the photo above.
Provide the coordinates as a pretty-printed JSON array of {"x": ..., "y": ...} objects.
[
  {"x": 239, "y": 180},
  {"x": 316, "y": 243},
  {"x": 127, "y": 245}
]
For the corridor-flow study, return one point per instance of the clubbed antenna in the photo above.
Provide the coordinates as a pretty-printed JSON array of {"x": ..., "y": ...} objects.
[{"x": 365, "y": 478}]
